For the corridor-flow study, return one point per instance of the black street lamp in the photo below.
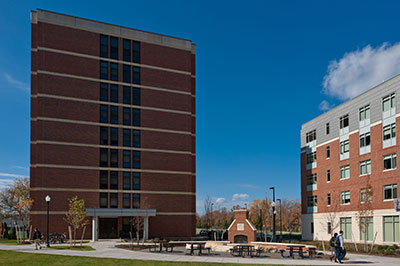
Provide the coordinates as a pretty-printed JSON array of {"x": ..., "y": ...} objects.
[
  {"x": 47, "y": 198},
  {"x": 280, "y": 217},
  {"x": 273, "y": 215}
]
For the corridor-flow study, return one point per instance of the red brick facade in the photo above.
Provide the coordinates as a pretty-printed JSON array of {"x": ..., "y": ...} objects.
[
  {"x": 65, "y": 125},
  {"x": 242, "y": 230}
]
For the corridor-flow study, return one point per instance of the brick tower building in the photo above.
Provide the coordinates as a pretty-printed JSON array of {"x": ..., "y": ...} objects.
[{"x": 112, "y": 122}]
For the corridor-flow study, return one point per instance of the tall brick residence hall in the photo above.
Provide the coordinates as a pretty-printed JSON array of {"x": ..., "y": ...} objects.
[
  {"x": 349, "y": 174},
  {"x": 112, "y": 122}
]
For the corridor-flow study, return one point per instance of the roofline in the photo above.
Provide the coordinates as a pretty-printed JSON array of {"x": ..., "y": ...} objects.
[
  {"x": 110, "y": 24},
  {"x": 326, "y": 113}
]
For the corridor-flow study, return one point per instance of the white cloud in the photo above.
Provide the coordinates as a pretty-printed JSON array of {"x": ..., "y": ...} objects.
[
  {"x": 21, "y": 167},
  {"x": 220, "y": 200},
  {"x": 13, "y": 175},
  {"x": 238, "y": 196},
  {"x": 360, "y": 70},
  {"x": 325, "y": 106},
  {"x": 16, "y": 83}
]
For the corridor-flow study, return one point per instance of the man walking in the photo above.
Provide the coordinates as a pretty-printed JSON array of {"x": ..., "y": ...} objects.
[
  {"x": 340, "y": 251},
  {"x": 332, "y": 242},
  {"x": 37, "y": 236}
]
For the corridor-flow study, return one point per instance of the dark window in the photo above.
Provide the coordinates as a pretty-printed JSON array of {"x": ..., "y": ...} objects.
[
  {"x": 136, "y": 181},
  {"x": 136, "y": 52},
  {"x": 136, "y": 159},
  {"x": 103, "y": 113},
  {"x": 126, "y": 225},
  {"x": 114, "y": 47},
  {"x": 329, "y": 228},
  {"x": 103, "y": 45},
  {"x": 103, "y": 157},
  {"x": 126, "y": 181},
  {"x": 103, "y": 135},
  {"x": 114, "y": 71},
  {"x": 328, "y": 152},
  {"x": 344, "y": 121},
  {"x": 127, "y": 137},
  {"x": 328, "y": 175},
  {"x": 127, "y": 159},
  {"x": 136, "y": 138},
  {"x": 327, "y": 128},
  {"x": 328, "y": 199},
  {"x": 126, "y": 116},
  {"x": 113, "y": 158},
  {"x": 136, "y": 201},
  {"x": 113, "y": 200},
  {"x": 113, "y": 180},
  {"x": 126, "y": 52},
  {"x": 136, "y": 75},
  {"x": 114, "y": 93},
  {"x": 114, "y": 115},
  {"x": 103, "y": 92},
  {"x": 103, "y": 200},
  {"x": 127, "y": 95},
  {"x": 136, "y": 117},
  {"x": 103, "y": 70},
  {"x": 103, "y": 180},
  {"x": 126, "y": 203},
  {"x": 312, "y": 228},
  {"x": 126, "y": 74},
  {"x": 114, "y": 136},
  {"x": 136, "y": 96}
]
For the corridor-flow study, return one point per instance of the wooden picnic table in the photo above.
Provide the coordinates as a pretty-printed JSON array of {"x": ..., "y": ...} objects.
[
  {"x": 295, "y": 249},
  {"x": 242, "y": 249}
]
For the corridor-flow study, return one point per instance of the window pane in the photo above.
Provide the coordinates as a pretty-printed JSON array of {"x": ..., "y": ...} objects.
[
  {"x": 103, "y": 70},
  {"x": 136, "y": 75},
  {"x": 114, "y": 136},
  {"x": 136, "y": 138},
  {"x": 103, "y": 135},
  {"x": 113, "y": 200},
  {"x": 103, "y": 200},
  {"x": 103, "y": 45},
  {"x": 136, "y": 52},
  {"x": 126, "y": 74},
  {"x": 127, "y": 159},
  {"x": 103, "y": 157},
  {"x": 103, "y": 180},
  {"x": 113, "y": 180},
  {"x": 136, "y": 159},
  {"x": 126, "y": 180},
  {"x": 113, "y": 158},
  {"x": 136, "y": 201},
  {"x": 136, "y": 181},
  {"x": 127, "y": 95},
  {"x": 126, "y": 116},
  {"x": 126, "y": 200},
  {"x": 127, "y": 137},
  {"x": 136, "y": 96},
  {"x": 136, "y": 117},
  {"x": 114, "y": 115},
  {"x": 113, "y": 47},
  {"x": 127, "y": 50},
  {"x": 114, "y": 71},
  {"x": 114, "y": 93},
  {"x": 103, "y": 92}
]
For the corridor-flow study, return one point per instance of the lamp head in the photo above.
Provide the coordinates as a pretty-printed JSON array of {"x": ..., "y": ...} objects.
[
  {"x": 47, "y": 198},
  {"x": 271, "y": 187}
]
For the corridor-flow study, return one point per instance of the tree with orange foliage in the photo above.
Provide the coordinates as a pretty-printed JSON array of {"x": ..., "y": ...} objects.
[{"x": 15, "y": 201}]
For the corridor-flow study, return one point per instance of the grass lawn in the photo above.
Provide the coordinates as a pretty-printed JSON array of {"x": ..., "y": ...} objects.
[
  {"x": 78, "y": 247},
  {"x": 19, "y": 258},
  {"x": 9, "y": 241}
]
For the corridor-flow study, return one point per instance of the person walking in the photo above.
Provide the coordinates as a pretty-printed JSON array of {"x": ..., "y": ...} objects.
[
  {"x": 332, "y": 242},
  {"x": 340, "y": 250},
  {"x": 37, "y": 236}
]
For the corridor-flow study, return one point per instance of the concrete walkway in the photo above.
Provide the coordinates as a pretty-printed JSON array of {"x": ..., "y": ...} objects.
[{"x": 107, "y": 249}]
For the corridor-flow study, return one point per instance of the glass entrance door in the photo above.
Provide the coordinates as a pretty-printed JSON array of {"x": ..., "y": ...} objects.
[{"x": 108, "y": 228}]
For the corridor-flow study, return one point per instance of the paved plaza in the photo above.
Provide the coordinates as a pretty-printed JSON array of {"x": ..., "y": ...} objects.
[{"x": 107, "y": 249}]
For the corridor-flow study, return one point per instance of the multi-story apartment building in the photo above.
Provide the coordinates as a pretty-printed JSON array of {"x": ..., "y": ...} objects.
[
  {"x": 349, "y": 173},
  {"x": 112, "y": 122}
]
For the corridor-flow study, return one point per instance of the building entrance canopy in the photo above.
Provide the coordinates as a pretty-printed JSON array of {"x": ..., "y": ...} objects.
[{"x": 106, "y": 212}]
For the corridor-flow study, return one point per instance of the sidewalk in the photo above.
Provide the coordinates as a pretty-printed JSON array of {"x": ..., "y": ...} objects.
[{"x": 107, "y": 249}]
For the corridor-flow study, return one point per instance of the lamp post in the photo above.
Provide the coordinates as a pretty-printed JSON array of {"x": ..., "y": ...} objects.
[
  {"x": 280, "y": 217},
  {"x": 273, "y": 215},
  {"x": 47, "y": 198}
]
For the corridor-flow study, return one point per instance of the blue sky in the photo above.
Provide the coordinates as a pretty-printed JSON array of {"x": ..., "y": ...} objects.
[{"x": 263, "y": 69}]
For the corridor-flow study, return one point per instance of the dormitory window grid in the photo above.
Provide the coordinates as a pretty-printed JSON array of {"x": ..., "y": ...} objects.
[
  {"x": 311, "y": 157},
  {"x": 345, "y": 172},
  {"x": 344, "y": 146},
  {"x": 389, "y": 131},
  {"x": 365, "y": 139},
  {"x": 109, "y": 49},
  {"x": 390, "y": 192},
  {"x": 111, "y": 93},
  {"x": 344, "y": 121},
  {"x": 364, "y": 113},
  {"x": 388, "y": 102},
  {"x": 310, "y": 136},
  {"x": 390, "y": 161},
  {"x": 365, "y": 167},
  {"x": 312, "y": 179},
  {"x": 345, "y": 197}
]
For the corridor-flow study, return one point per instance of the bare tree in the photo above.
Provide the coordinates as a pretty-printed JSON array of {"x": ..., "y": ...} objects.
[
  {"x": 138, "y": 225},
  {"x": 365, "y": 210},
  {"x": 208, "y": 210}
]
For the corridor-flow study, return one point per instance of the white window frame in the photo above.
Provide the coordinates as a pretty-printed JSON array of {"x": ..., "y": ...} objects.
[
  {"x": 343, "y": 170},
  {"x": 393, "y": 161},
  {"x": 342, "y": 121},
  {"x": 365, "y": 167},
  {"x": 363, "y": 139},
  {"x": 364, "y": 113},
  {"x": 389, "y": 100},
  {"x": 345, "y": 195},
  {"x": 311, "y": 136},
  {"x": 391, "y": 187},
  {"x": 344, "y": 146}
]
